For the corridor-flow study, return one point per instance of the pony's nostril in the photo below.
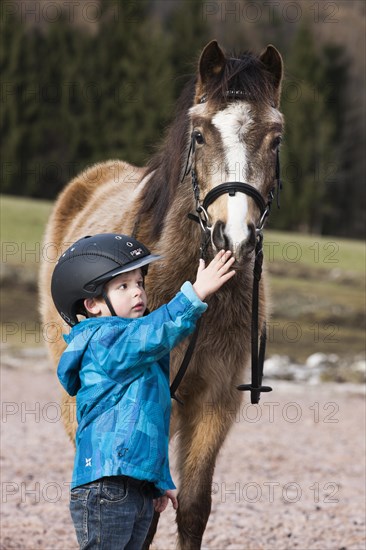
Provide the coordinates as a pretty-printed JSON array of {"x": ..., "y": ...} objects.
[
  {"x": 246, "y": 247},
  {"x": 219, "y": 238}
]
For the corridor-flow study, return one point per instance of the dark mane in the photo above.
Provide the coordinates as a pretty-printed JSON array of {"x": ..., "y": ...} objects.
[
  {"x": 166, "y": 164},
  {"x": 245, "y": 74}
]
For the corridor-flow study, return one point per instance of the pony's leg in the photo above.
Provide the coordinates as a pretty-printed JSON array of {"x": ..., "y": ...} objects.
[
  {"x": 202, "y": 433},
  {"x": 152, "y": 531}
]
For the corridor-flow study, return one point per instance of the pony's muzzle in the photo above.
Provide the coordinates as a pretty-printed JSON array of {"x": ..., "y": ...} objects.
[{"x": 221, "y": 239}]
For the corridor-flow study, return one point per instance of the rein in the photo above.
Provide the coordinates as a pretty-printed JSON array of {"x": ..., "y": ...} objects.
[{"x": 231, "y": 188}]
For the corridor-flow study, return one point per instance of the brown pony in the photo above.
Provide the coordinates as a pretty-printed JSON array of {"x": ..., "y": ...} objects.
[{"x": 227, "y": 127}]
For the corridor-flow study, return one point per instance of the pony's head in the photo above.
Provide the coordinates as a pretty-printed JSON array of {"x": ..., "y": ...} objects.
[{"x": 235, "y": 132}]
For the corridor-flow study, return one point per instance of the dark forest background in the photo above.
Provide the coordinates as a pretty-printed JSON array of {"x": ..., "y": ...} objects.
[{"x": 86, "y": 81}]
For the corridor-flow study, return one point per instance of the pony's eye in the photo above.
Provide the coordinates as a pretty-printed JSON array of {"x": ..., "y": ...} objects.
[
  {"x": 200, "y": 140},
  {"x": 276, "y": 143}
]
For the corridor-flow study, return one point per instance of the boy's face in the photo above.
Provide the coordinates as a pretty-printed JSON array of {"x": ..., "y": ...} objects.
[{"x": 127, "y": 295}]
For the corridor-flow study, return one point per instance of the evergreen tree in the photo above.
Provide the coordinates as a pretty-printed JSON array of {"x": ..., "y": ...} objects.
[
  {"x": 189, "y": 32},
  {"x": 345, "y": 193},
  {"x": 54, "y": 141},
  {"x": 307, "y": 150},
  {"x": 133, "y": 80},
  {"x": 38, "y": 133},
  {"x": 74, "y": 98},
  {"x": 20, "y": 102}
]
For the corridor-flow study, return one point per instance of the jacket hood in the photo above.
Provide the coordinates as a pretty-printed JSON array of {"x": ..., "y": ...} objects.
[{"x": 77, "y": 342}]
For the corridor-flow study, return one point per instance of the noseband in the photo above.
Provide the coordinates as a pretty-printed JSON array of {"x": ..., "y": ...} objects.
[{"x": 202, "y": 217}]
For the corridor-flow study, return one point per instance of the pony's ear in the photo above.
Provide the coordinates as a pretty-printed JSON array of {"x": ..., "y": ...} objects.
[
  {"x": 211, "y": 65},
  {"x": 272, "y": 60}
]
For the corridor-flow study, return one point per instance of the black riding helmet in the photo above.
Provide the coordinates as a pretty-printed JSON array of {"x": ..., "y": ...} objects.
[{"x": 86, "y": 266}]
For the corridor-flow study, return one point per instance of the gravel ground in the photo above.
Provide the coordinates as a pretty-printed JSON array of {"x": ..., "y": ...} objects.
[{"x": 291, "y": 474}]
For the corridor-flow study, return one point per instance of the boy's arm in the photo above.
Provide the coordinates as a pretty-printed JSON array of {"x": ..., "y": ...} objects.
[
  {"x": 127, "y": 349},
  {"x": 149, "y": 338}
]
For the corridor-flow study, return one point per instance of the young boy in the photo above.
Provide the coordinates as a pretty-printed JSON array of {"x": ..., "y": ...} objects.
[{"x": 117, "y": 365}]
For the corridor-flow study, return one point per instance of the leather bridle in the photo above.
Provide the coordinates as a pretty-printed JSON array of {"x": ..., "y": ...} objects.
[{"x": 202, "y": 217}]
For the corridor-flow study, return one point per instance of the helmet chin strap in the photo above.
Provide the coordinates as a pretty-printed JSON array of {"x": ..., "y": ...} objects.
[{"x": 108, "y": 303}]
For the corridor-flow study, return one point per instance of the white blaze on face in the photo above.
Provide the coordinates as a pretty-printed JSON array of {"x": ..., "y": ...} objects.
[{"x": 232, "y": 123}]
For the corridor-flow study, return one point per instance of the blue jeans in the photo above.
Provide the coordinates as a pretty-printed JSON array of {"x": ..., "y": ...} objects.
[{"x": 112, "y": 513}]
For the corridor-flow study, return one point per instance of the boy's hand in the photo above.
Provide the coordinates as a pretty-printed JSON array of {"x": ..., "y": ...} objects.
[
  {"x": 209, "y": 279},
  {"x": 162, "y": 502}
]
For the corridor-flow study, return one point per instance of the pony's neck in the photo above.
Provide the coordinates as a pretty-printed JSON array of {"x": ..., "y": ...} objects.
[
  {"x": 165, "y": 168},
  {"x": 178, "y": 242}
]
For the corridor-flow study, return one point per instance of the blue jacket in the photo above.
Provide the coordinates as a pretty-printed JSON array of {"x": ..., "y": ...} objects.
[{"x": 118, "y": 369}]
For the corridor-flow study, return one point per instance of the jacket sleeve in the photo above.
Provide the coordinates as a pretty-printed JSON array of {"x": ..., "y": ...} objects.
[{"x": 126, "y": 350}]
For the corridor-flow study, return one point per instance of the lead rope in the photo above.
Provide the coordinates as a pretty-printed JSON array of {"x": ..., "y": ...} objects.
[
  {"x": 256, "y": 387},
  {"x": 205, "y": 239},
  {"x": 184, "y": 365}
]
